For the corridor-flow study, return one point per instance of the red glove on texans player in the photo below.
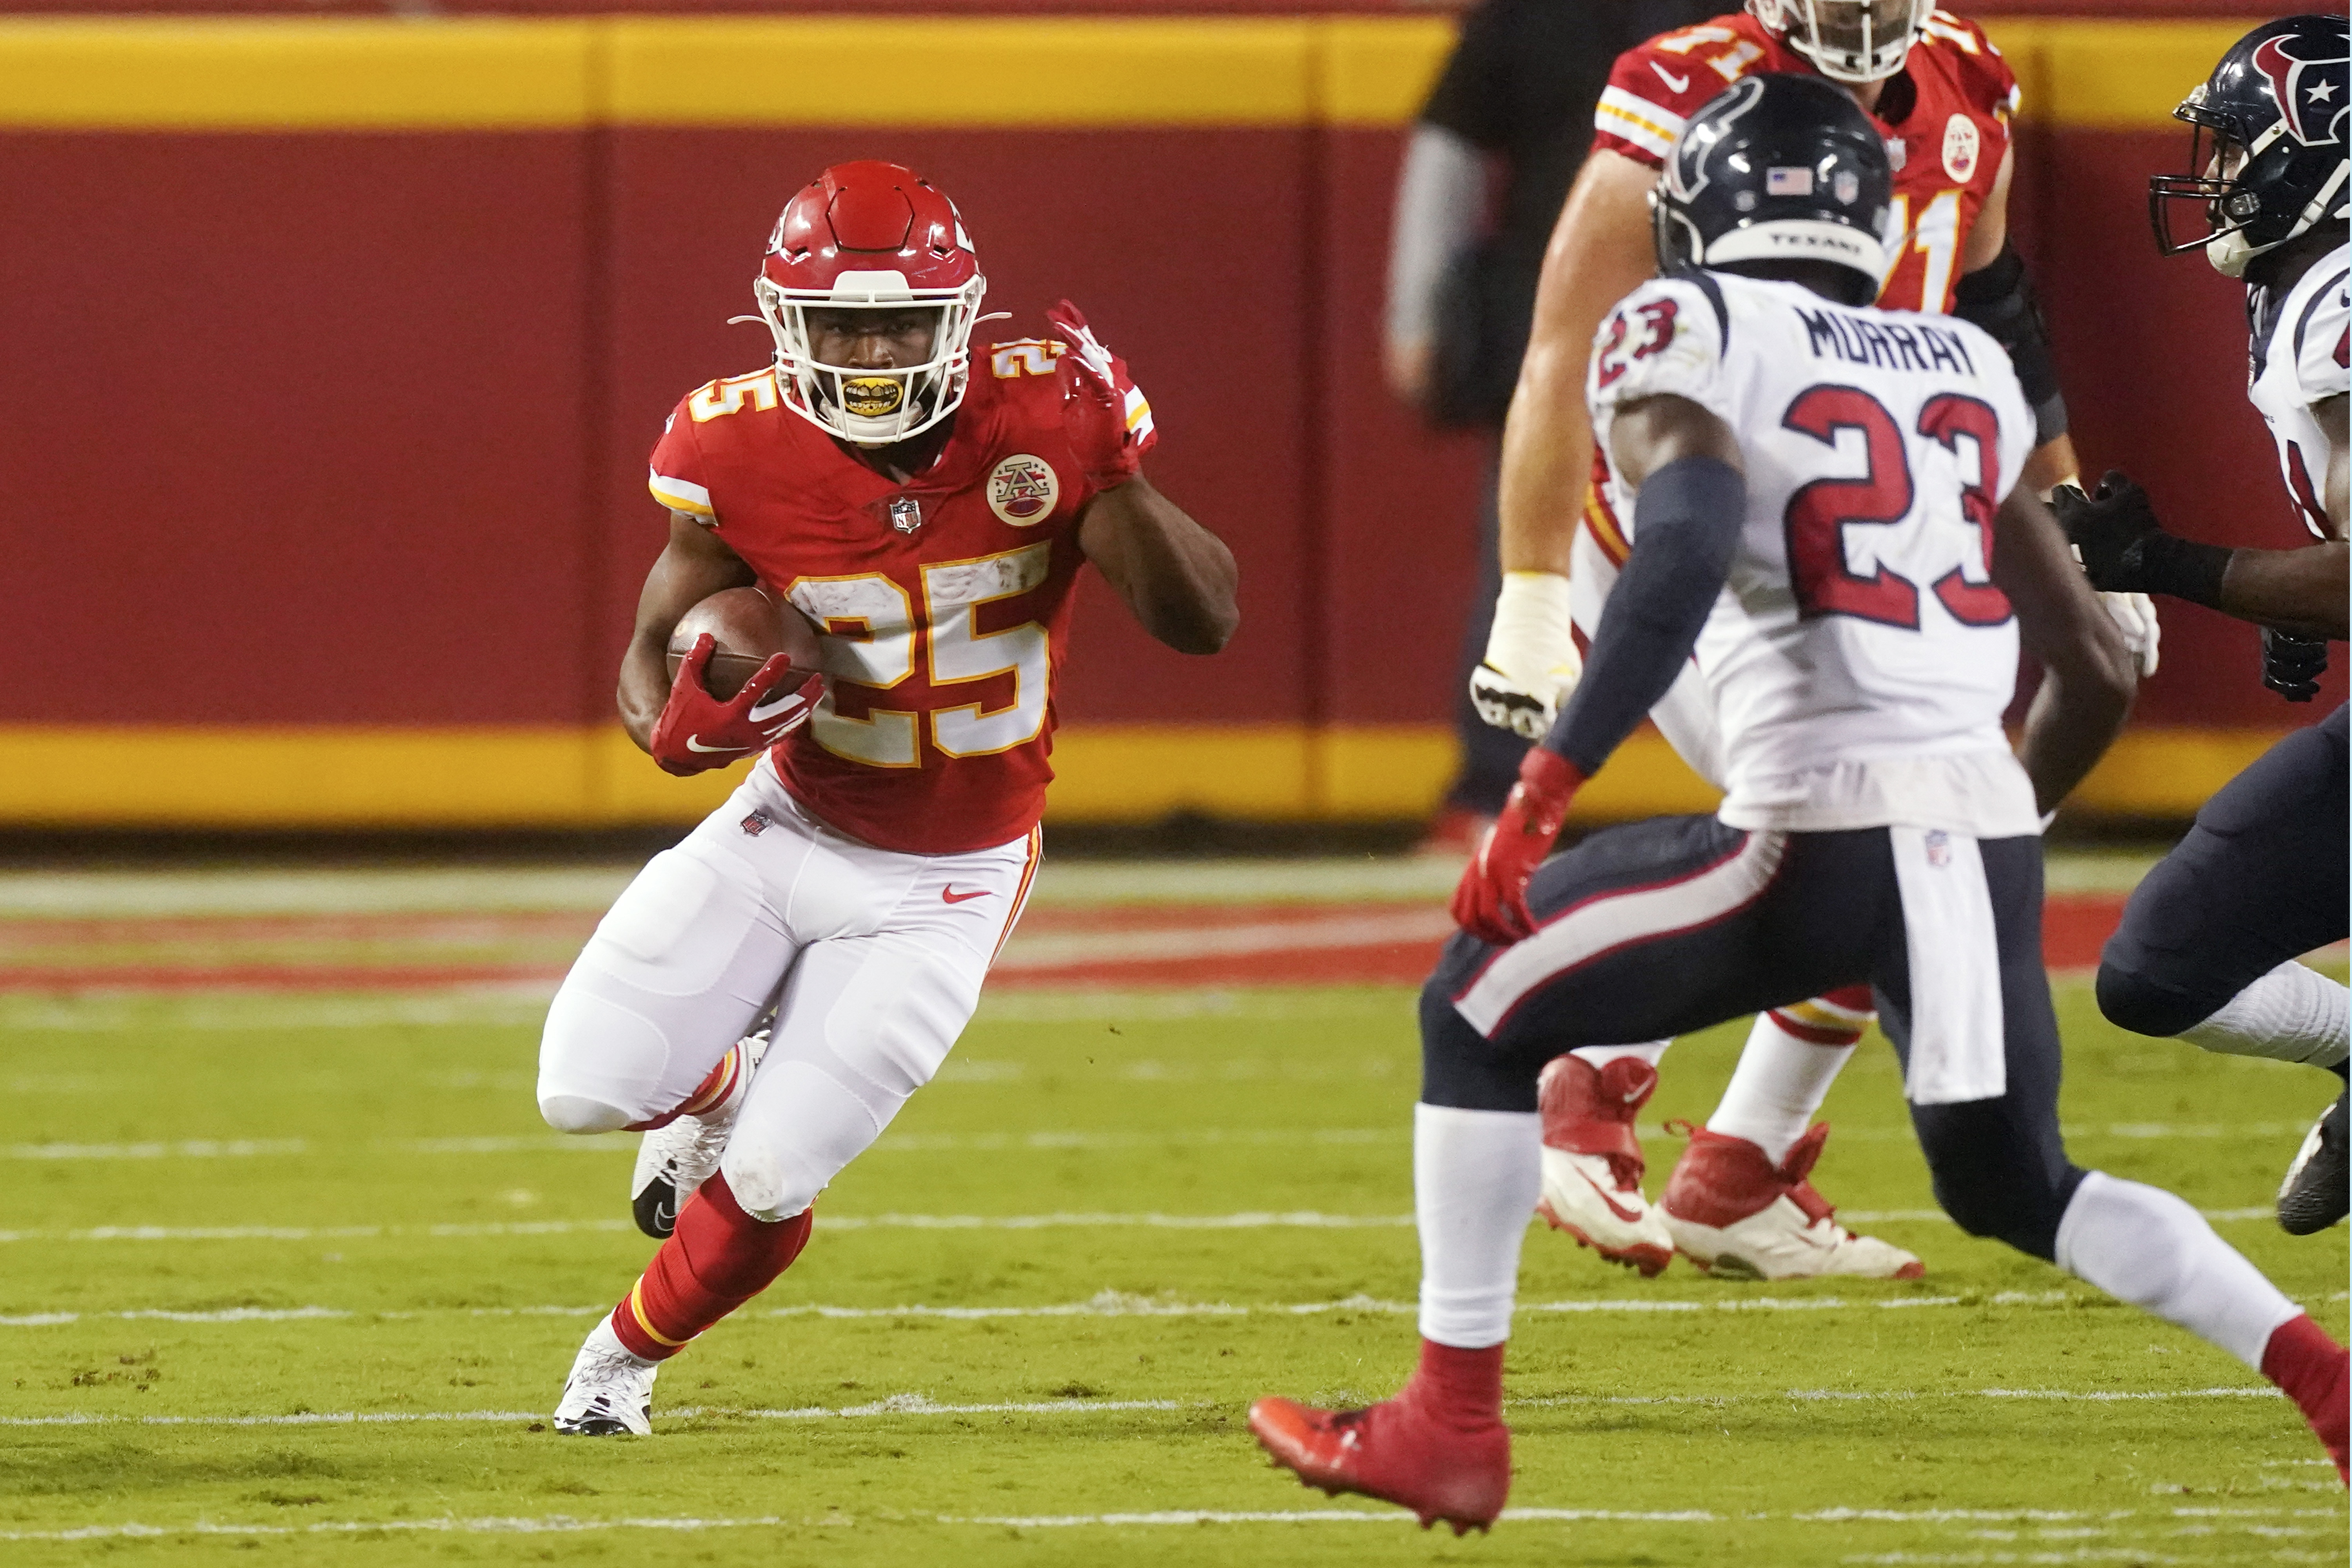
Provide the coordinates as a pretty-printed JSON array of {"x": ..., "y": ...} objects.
[
  {"x": 1105, "y": 413},
  {"x": 696, "y": 731},
  {"x": 1491, "y": 902}
]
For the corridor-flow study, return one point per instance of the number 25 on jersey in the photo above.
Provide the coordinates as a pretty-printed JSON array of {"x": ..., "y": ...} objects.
[{"x": 881, "y": 651}]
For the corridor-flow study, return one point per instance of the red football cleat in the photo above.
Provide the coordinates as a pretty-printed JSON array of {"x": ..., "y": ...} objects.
[
  {"x": 1393, "y": 1452},
  {"x": 1592, "y": 1161}
]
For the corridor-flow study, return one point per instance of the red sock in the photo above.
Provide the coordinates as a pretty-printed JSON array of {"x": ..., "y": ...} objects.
[
  {"x": 714, "y": 1087},
  {"x": 717, "y": 1259},
  {"x": 1456, "y": 1387},
  {"x": 2312, "y": 1368}
]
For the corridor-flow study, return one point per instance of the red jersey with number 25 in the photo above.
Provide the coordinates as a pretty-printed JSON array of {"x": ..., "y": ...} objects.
[
  {"x": 1951, "y": 105},
  {"x": 944, "y": 602}
]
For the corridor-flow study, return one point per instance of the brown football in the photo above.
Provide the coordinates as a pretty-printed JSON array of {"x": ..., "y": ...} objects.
[{"x": 749, "y": 627}]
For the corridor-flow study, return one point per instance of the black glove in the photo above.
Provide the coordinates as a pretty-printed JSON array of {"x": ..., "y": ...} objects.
[
  {"x": 2125, "y": 549},
  {"x": 2292, "y": 665}
]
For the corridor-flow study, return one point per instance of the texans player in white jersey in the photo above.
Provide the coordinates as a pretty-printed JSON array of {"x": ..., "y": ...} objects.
[
  {"x": 2208, "y": 943},
  {"x": 1740, "y": 1199},
  {"x": 1827, "y": 514}
]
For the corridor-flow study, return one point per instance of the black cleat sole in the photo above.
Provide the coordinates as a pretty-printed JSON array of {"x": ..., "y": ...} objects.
[{"x": 2318, "y": 1187}]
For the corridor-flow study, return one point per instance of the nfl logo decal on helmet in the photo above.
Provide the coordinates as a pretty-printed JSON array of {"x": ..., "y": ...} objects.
[
  {"x": 1776, "y": 168},
  {"x": 2267, "y": 144},
  {"x": 873, "y": 237}
]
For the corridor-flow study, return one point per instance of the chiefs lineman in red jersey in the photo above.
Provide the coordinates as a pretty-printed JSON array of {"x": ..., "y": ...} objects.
[
  {"x": 927, "y": 505},
  {"x": 1739, "y": 1200}
]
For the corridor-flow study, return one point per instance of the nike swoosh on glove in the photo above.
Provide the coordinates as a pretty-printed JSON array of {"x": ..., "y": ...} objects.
[
  {"x": 1104, "y": 413},
  {"x": 1491, "y": 901},
  {"x": 696, "y": 731}
]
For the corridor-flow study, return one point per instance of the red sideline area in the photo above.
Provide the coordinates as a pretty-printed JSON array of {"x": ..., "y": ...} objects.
[{"x": 1189, "y": 946}]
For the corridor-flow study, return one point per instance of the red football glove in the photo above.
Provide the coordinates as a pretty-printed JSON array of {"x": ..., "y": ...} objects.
[
  {"x": 696, "y": 731},
  {"x": 1491, "y": 903},
  {"x": 1103, "y": 411}
]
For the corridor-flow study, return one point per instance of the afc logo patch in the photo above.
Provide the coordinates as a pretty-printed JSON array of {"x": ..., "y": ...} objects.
[
  {"x": 756, "y": 823},
  {"x": 1023, "y": 491},
  {"x": 1962, "y": 146}
]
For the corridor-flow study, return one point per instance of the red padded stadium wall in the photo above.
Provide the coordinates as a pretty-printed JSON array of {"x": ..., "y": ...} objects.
[
  {"x": 294, "y": 429},
  {"x": 337, "y": 428}
]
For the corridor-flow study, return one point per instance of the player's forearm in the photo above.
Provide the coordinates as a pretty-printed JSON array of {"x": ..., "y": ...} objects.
[
  {"x": 1547, "y": 462},
  {"x": 644, "y": 687},
  {"x": 2068, "y": 728},
  {"x": 1600, "y": 252},
  {"x": 1178, "y": 579},
  {"x": 1686, "y": 530},
  {"x": 2088, "y": 674},
  {"x": 695, "y": 564},
  {"x": 2050, "y": 465},
  {"x": 2302, "y": 592}
]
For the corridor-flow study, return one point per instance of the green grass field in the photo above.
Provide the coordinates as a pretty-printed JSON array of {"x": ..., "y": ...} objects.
[{"x": 296, "y": 1278}]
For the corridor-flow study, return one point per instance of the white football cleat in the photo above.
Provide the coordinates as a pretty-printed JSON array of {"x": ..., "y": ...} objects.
[
  {"x": 673, "y": 1160},
  {"x": 610, "y": 1392},
  {"x": 1592, "y": 1164},
  {"x": 1732, "y": 1213}
]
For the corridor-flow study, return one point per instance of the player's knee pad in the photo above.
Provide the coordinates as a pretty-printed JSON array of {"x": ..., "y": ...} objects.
[
  {"x": 1459, "y": 1067},
  {"x": 597, "y": 1051},
  {"x": 579, "y": 1113},
  {"x": 801, "y": 1126},
  {"x": 2012, "y": 1202},
  {"x": 2132, "y": 1001}
]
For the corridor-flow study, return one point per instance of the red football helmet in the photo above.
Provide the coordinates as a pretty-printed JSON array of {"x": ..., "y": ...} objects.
[
  {"x": 870, "y": 235},
  {"x": 1847, "y": 40}
]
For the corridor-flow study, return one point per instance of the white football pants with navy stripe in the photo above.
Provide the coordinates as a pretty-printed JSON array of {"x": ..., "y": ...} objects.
[{"x": 873, "y": 959}]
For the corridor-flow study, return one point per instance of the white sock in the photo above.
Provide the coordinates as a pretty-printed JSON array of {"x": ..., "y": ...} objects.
[
  {"x": 2144, "y": 1245},
  {"x": 1476, "y": 1175},
  {"x": 1601, "y": 1056},
  {"x": 1779, "y": 1084},
  {"x": 2291, "y": 1015}
]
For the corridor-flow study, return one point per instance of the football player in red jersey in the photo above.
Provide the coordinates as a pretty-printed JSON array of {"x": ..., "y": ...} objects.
[
  {"x": 1740, "y": 1200},
  {"x": 930, "y": 514}
]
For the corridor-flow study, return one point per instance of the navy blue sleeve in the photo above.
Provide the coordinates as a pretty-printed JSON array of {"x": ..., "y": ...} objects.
[{"x": 1686, "y": 529}]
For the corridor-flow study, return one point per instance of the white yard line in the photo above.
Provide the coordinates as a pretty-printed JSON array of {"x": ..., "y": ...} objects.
[
  {"x": 1047, "y": 1140},
  {"x": 900, "y": 1404},
  {"x": 1123, "y": 1303},
  {"x": 564, "y": 1524},
  {"x": 1254, "y": 1219}
]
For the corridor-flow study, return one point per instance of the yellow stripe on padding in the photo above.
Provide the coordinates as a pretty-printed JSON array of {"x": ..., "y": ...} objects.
[
  {"x": 588, "y": 776},
  {"x": 978, "y": 71},
  {"x": 296, "y": 74},
  {"x": 308, "y": 74}
]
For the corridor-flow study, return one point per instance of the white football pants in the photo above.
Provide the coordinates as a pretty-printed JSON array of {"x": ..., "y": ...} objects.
[{"x": 874, "y": 960}]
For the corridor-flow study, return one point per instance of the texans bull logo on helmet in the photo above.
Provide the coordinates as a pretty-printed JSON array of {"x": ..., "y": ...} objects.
[{"x": 2310, "y": 88}]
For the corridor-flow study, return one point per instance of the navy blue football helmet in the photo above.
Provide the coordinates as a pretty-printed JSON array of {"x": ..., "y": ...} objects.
[
  {"x": 2266, "y": 147},
  {"x": 1778, "y": 168}
]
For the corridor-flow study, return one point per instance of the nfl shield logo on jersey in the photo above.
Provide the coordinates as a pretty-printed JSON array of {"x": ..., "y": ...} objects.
[
  {"x": 756, "y": 823},
  {"x": 905, "y": 513}
]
